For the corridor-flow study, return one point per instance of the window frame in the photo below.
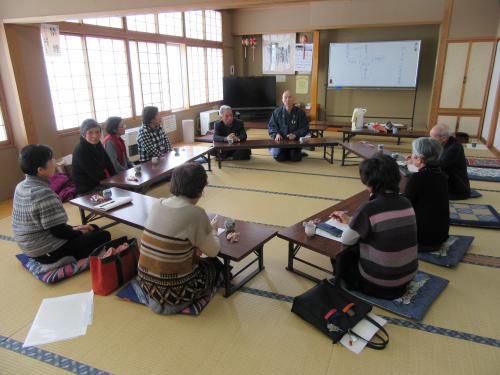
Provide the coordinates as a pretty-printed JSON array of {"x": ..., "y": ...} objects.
[
  {"x": 7, "y": 143},
  {"x": 88, "y": 30}
]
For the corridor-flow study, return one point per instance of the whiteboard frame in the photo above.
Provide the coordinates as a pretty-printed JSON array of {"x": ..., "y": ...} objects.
[{"x": 417, "y": 68}]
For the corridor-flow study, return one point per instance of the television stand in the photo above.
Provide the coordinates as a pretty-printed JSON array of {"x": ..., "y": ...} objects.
[{"x": 255, "y": 113}]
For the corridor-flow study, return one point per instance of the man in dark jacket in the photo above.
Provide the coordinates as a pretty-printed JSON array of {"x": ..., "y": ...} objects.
[
  {"x": 288, "y": 122},
  {"x": 230, "y": 130},
  {"x": 452, "y": 162}
]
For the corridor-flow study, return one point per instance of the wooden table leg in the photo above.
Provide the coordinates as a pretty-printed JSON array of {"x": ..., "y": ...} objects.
[{"x": 82, "y": 215}]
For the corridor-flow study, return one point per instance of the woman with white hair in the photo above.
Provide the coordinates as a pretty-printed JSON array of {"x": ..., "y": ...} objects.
[{"x": 427, "y": 190}]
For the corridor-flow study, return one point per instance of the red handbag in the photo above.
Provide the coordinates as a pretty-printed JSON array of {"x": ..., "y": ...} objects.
[{"x": 112, "y": 271}]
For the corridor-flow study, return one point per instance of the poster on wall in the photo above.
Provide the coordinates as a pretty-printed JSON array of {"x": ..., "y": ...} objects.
[
  {"x": 278, "y": 54},
  {"x": 50, "y": 39},
  {"x": 303, "y": 57}
]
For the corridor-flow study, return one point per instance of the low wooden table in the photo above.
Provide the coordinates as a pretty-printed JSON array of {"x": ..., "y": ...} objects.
[
  {"x": 348, "y": 134},
  {"x": 219, "y": 147},
  {"x": 253, "y": 236},
  {"x": 297, "y": 238},
  {"x": 337, "y": 126},
  {"x": 152, "y": 173}
]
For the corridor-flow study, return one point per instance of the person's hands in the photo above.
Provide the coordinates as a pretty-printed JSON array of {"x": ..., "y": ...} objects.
[
  {"x": 214, "y": 222},
  {"x": 291, "y": 136},
  {"x": 278, "y": 137},
  {"x": 236, "y": 139},
  {"x": 231, "y": 136},
  {"x": 84, "y": 228},
  {"x": 341, "y": 216}
]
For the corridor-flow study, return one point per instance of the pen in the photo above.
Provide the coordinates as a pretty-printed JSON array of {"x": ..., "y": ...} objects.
[{"x": 105, "y": 204}]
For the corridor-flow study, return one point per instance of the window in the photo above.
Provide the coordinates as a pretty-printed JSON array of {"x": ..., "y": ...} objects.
[
  {"x": 175, "y": 75},
  {"x": 196, "y": 73},
  {"x": 213, "y": 25},
  {"x": 106, "y": 73},
  {"x": 69, "y": 84},
  {"x": 194, "y": 24},
  {"x": 145, "y": 23},
  {"x": 3, "y": 131},
  {"x": 109, "y": 75},
  {"x": 215, "y": 72},
  {"x": 150, "y": 75},
  {"x": 170, "y": 23},
  {"x": 105, "y": 21}
]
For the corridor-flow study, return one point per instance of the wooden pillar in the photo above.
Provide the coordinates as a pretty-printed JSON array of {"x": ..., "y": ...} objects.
[
  {"x": 314, "y": 78},
  {"x": 440, "y": 62}
]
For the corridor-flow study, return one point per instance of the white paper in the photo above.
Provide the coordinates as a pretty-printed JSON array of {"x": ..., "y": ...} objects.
[
  {"x": 109, "y": 205},
  {"x": 169, "y": 123},
  {"x": 303, "y": 57},
  {"x": 50, "y": 39},
  {"x": 61, "y": 318},
  {"x": 333, "y": 223},
  {"x": 364, "y": 329},
  {"x": 220, "y": 231}
]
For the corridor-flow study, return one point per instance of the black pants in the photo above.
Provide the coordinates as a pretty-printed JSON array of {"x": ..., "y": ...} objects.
[
  {"x": 349, "y": 272},
  {"x": 292, "y": 154},
  {"x": 243, "y": 154},
  {"x": 80, "y": 247}
]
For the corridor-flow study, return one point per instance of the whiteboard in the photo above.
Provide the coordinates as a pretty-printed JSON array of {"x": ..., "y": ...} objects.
[{"x": 374, "y": 64}]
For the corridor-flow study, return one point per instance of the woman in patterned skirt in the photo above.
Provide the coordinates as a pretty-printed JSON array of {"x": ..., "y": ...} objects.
[{"x": 171, "y": 270}]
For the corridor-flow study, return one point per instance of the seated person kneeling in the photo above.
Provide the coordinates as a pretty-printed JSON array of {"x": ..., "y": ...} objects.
[
  {"x": 427, "y": 191},
  {"x": 452, "y": 162},
  {"x": 287, "y": 122},
  {"x": 385, "y": 259},
  {"x": 228, "y": 129},
  {"x": 171, "y": 270},
  {"x": 38, "y": 216},
  {"x": 114, "y": 144},
  {"x": 91, "y": 163}
]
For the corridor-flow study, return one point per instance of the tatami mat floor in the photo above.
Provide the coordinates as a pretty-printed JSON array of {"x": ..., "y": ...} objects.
[{"x": 254, "y": 332}]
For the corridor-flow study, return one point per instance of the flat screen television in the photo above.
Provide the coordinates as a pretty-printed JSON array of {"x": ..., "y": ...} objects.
[{"x": 250, "y": 92}]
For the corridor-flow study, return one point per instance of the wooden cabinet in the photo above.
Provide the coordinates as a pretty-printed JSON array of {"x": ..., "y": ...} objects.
[{"x": 465, "y": 82}]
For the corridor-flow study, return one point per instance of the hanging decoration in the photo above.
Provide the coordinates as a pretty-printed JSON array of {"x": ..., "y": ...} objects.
[
  {"x": 253, "y": 44},
  {"x": 245, "y": 41},
  {"x": 304, "y": 39}
]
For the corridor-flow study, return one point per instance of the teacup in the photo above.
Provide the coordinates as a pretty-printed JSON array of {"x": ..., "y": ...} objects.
[
  {"x": 107, "y": 193},
  {"x": 380, "y": 147},
  {"x": 155, "y": 159},
  {"x": 137, "y": 168},
  {"x": 394, "y": 130},
  {"x": 310, "y": 229},
  {"x": 176, "y": 150},
  {"x": 230, "y": 141}
]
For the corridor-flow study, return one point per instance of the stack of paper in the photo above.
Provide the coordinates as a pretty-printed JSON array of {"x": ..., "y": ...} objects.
[
  {"x": 61, "y": 318},
  {"x": 366, "y": 330},
  {"x": 333, "y": 223},
  {"x": 109, "y": 205}
]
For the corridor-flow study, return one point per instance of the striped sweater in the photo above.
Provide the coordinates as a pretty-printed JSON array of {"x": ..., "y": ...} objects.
[
  {"x": 174, "y": 229},
  {"x": 35, "y": 210},
  {"x": 388, "y": 240}
]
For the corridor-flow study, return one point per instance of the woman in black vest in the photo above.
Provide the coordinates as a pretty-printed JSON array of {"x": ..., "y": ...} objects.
[{"x": 427, "y": 190}]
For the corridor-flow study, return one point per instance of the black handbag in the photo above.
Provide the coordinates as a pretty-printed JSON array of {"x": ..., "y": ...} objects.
[{"x": 335, "y": 312}]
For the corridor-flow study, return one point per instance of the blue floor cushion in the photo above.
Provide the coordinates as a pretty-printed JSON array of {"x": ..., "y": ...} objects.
[
  {"x": 483, "y": 174},
  {"x": 51, "y": 274},
  {"x": 133, "y": 292},
  {"x": 450, "y": 253},
  {"x": 421, "y": 293},
  {"x": 474, "y": 215}
]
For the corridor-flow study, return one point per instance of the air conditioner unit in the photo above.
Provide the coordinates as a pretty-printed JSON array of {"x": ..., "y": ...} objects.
[
  {"x": 130, "y": 138},
  {"x": 207, "y": 120}
]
